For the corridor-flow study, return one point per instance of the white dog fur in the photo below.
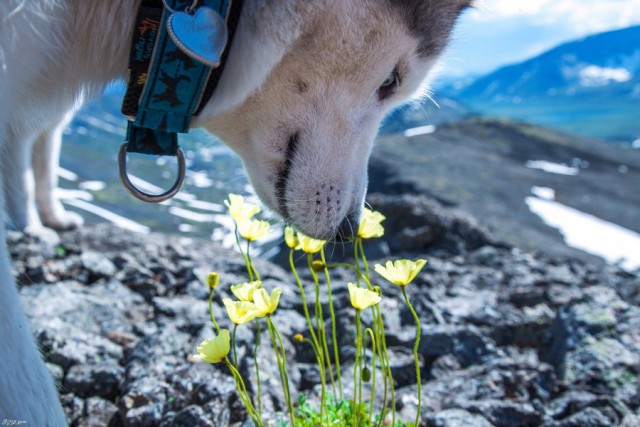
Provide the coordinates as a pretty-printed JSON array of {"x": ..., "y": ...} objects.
[{"x": 303, "y": 93}]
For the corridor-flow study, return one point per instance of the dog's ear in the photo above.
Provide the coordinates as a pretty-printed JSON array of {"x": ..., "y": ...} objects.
[{"x": 431, "y": 21}]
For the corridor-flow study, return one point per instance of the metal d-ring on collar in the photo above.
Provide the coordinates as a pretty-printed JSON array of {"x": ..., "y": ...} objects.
[
  {"x": 167, "y": 85},
  {"x": 146, "y": 197}
]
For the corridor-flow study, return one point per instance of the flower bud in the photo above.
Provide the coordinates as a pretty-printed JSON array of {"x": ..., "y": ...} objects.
[
  {"x": 318, "y": 266},
  {"x": 298, "y": 338},
  {"x": 213, "y": 279},
  {"x": 366, "y": 374}
]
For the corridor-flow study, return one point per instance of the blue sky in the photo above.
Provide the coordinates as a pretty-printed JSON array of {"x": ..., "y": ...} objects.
[{"x": 501, "y": 32}]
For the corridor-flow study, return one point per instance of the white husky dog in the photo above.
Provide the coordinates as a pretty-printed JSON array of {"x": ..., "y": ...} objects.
[{"x": 305, "y": 87}]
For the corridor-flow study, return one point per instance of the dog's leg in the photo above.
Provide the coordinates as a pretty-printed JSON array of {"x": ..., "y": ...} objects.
[
  {"x": 46, "y": 155},
  {"x": 27, "y": 392},
  {"x": 19, "y": 186}
]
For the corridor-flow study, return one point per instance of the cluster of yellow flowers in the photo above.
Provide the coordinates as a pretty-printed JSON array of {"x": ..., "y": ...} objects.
[
  {"x": 243, "y": 212},
  {"x": 254, "y": 302}
]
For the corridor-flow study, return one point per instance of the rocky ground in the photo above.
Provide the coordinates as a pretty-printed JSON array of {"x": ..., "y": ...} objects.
[{"x": 510, "y": 338}]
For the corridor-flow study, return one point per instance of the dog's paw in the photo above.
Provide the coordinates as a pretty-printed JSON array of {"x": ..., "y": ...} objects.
[
  {"x": 44, "y": 234},
  {"x": 62, "y": 221}
]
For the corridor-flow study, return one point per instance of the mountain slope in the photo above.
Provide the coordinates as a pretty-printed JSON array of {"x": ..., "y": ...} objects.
[
  {"x": 589, "y": 86},
  {"x": 489, "y": 169}
]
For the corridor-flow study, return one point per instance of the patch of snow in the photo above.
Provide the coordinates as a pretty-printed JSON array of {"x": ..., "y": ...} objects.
[
  {"x": 544, "y": 193},
  {"x": 145, "y": 186},
  {"x": 549, "y": 167},
  {"x": 191, "y": 215},
  {"x": 67, "y": 174},
  {"x": 66, "y": 194},
  {"x": 118, "y": 220},
  {"x": 92, "y": 185},
  {"x": 421, "y": 130},
  {"x": 105, "y": 126},
  {"x": 593, "y": 76},
  {"x": 199, "y": 179},
  {"x": 205, "y": 206},
  {"x": 185, "y": 228},
  {"x": 589, "y": 233}
]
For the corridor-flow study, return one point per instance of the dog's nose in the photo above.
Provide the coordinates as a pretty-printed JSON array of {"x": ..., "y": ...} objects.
[{"x": 347, "y": 229}]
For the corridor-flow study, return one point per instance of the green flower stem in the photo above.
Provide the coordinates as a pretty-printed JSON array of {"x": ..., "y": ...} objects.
[
  {"x": 303, "y": 297},
  {"x": 364, "y": 258},
  {"x": 415, "y": 352},
  {"x": 316, "y": 351},
  {"x": 250, "y": 264},
  {"x": 284, "y": 363},
  {"x": 373, "y": 371},
  {"x": 322, "y": 334},
  {"x": 379, "y": 330},
  {"x": 247, "y": 262},
  {"x": 233, "y": 344},
  {"x": 384, "y": 364},
  {"x": 316, "y": 346},
  {"x": 281, "y": 359},
  {"x": 334, "y": 335},
  {"x": 356, "y": 260},
  {"x": 357, "y": 372},
  {"x": 255, "y": 362},
  {"x": 213, "y": 318},
  {"x": 244, "y": 395}
]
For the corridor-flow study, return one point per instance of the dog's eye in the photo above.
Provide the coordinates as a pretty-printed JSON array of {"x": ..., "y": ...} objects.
[{"x": 388, "y": 86}]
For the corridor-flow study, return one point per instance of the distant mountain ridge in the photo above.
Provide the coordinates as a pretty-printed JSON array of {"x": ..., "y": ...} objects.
[{"x": 589, "y": 86}]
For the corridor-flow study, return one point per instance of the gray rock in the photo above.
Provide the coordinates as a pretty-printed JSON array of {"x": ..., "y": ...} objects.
[
  {"x": 420, "y": 222},
  {"x": 630, "y": 420},
  {"x": 191, "y": 416},
  {"x": 73, "y": 407},
  {"x": 101, "y": 380},
  {"x": 457, "y": 418},
  {"x": 588, "y": 417},
  {"x": 56, "y": 372},
  {"x": 66, "y": 345},
  {"x": 98, "y": 413},
  {"x": 467, "y": 344},
  {"x": 144, "y": 416},
  {"x": 506, "y": 413},
  {"x": 569, "y": 403},
  {"x": 98, "y": 265}
]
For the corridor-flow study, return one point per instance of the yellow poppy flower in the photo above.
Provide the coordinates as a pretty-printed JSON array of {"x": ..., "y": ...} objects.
[
  {"x": 240, "y": 312},
  {"x": 216, "y": 349},
  {"x": 290, "y": 237},
  {"x": 401, "y": 272},
  {"x": 310, "y": 245},
  {"x": 245, "y": 291},
  {"x": 265, "y": 303},
  {"x": 253, "y": 229},
  {"x": 370, "y": 224},
  {"x": 362, "y": 298},
  {"x": 238, "y": 209}
]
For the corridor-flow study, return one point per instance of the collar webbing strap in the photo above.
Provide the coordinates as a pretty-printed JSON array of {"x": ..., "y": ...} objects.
[{"x": 166, "y": 86}]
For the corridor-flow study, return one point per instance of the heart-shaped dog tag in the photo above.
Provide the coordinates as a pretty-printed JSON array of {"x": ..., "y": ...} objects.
[{"x": 201, "y": 35}]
